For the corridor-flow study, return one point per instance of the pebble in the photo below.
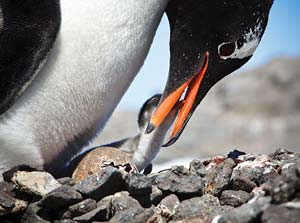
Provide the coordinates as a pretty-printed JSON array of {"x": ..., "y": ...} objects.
[
  {"x": 218, "y": 177},
  {"x": 80, "y": 208},
  {"x": 242, "y": 183},
  {"x": 8, "y": 175},
  {"x": 279, "y": 214},
  {"x": 138, "y": 184},
  {"x": 168, "y": 205},
  {"x": 197, "y": 167},
  {"x": 99, "y": 185},
  {"x": 34, "y": 213},
  {"x": 35, "y": 183},
  {"x": 60, "y": 197},
  {"x": 246, "y": 213},
  {"x": 184, "y": 186},
  {"x": 196, "y": 207},
  {"x": 234, "y": 198}
]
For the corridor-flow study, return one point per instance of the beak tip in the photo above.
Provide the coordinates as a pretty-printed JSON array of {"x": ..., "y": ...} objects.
[
  {"x": 170, "y": 142},
  {"x": 150, "y": 128}
]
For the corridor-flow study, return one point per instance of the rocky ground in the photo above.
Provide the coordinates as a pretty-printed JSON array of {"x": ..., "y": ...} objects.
[{"x": 234, "y": 188}]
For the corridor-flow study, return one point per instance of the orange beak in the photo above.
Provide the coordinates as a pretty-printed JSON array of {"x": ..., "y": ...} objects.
[{"x": 166, "y": 106}]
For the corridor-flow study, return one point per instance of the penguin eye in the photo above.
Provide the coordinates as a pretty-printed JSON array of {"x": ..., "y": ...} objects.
[{"x": 226, "y": 49}]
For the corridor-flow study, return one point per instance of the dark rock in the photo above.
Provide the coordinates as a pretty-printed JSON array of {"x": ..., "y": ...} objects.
[
  {"x": 234, "y": 198},
  {"x": 98, "y": 186},
  {"x": 7, "y": 175},
  {"x": 9, "y": 203},
  {"x": 132, "y": 215},
  {"x": 139, "y": 187},
  {"x": 281, "y": 154},
  {"x": 247, "y": 213},
  {"x": 7, "y": 200},
  {"x": 60, "y": 197},
  {"x": 218, "y": 177},
  {"x": 138, "y": 184},
  {"x": 34, "y": 213},
  {"x": 119, "y": 205},
  {"x": 197, "y": 167},
  {"x": 242, "y": 183},
  {"x": 66, "y": 181},
  {"x": 156, "y": 195},
  {"x": 258, "y": 168},
  {"x": 80, "y": 208},
  {"x": 235, "y": 154},
  {"x": 168, "y": 206},
  {"x": 179, "y": 170},
  {"x": 35, "y": 183},
  {"x": 184, "y": 186},
  {"x": 122, "y": 201},
  {"x": 279, "y": 214},
  {"x": 219, "y": 210},
  {"x": 101, "y": 213},
  {"x": 284, "y": 187},
  {"x": 196, "y": 207}
]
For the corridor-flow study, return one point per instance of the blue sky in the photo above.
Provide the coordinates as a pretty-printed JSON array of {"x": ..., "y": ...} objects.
[{"x": 281, "y": 38}]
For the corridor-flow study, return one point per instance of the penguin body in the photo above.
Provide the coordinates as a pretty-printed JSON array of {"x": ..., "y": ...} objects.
[{"x": 100, "y": 48}]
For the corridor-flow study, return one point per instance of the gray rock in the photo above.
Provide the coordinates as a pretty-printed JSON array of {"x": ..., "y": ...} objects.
[
  {"x": 247, "y": 213},
  {"x": 35, "y": 214},
  {"x": 168, "y": 205},
  {"x": 7, "y": 200},
  {"x": 138, "y": 184},
  {"x": 122, "y": 201},
  {"x": 242, "y": 183},
  {"x": 35, "y": 183},
  {"x": 156, "y": 195},
  {"x": 98, "y": 186},
  {"x": 11, "y": 202},
  {"x": 281, "y": 154},
  {"x": 7, "y": 175},
  {"x": 66, "y": 181},
  {"x": 80, "y": 208},
  {"x": 179, "y": 170},
  {"x": 234, "y": 198},
  {"x": 284, "y": 188},
  {"x": 60, "y": 197},
  {"x": 196, "y": 207},
  {"x": 184, "y": 186},
  {"x": 279, "y": 214},
  {"x": 197, "y": 167},
  {"x": 101, "y": 213},
  {"x": 218, "y": 177},
  {"x": 132, "y": 215}
]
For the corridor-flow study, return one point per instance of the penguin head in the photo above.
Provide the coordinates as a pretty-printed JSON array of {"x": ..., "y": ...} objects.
[{"x": 209, "y": 40}]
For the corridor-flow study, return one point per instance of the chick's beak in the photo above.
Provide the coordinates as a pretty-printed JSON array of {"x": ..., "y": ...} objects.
[{"x": 191, "y": 88}]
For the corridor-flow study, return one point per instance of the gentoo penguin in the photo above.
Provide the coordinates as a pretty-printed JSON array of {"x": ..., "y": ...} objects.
[
  {"x": 100, "y": 48},
  {"x": 209, "y": 40},
  {"x": 143, "y": 147}
]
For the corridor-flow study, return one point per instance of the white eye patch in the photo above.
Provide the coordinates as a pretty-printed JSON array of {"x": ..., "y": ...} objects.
[{"x": 250, "y": 42}]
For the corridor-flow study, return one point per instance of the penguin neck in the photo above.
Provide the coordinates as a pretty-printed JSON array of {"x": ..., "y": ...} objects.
[
  {"x": 150, "y": 144},
  {"x": 100, "y": 49}
]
